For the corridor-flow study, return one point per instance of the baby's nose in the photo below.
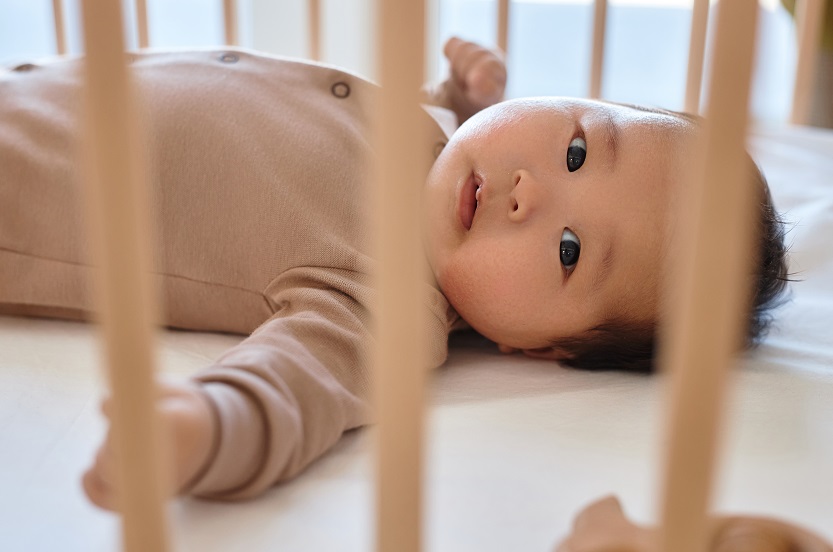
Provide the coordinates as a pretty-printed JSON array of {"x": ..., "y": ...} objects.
[{"x": 525, "y": 196}]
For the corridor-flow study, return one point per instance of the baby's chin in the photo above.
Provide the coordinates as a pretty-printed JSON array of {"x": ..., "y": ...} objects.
[{"x": 488, "y": 324}]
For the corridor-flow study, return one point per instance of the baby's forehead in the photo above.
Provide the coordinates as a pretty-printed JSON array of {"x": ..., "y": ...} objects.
[
  {"x": 639, "y": 113},
  {"x": 624, "y": 112},
  {"x": 685, "y": 119},
  {"x": 634, "y": 128}
]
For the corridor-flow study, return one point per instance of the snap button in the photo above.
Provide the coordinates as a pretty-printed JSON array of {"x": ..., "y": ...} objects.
[
  {"x": 341, "y": 90},
  {"x": 22, "y": 68},
  {"x": 228, "y": 57},
  {"x": 438, "y": 148}
]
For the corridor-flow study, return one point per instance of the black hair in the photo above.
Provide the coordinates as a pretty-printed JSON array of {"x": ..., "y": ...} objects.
[{"x": 623, "y": 344}]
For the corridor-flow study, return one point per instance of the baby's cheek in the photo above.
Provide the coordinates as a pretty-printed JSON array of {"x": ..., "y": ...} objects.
[{"x": 486, "y": 292}]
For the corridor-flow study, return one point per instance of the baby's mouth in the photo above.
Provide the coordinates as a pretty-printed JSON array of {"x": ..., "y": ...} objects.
[{"x": 469, "y": 200}]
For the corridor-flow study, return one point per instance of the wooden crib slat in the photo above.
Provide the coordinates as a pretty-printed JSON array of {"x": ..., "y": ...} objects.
[
  {"x": 399, "y": 360},
  {"x": 696, "y": 53},
  {"x": 142, "y": 31},
  {"x": 230, "y": 22},
  {"x": 808, "y": 20},
  {"x": 314, "y": 29},
  {"x": 597, "y": 52},
  {"x": 60, "y": 29},
  {"x": 503, "y": 25},
  {"x": 710, "y": 288},
  {"x": 114, "y": 186}
]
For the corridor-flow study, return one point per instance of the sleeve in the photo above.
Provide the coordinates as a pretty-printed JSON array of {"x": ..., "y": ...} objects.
[
  {"x": 287, "y": 393},
  {"x": 436, "y": 101}
]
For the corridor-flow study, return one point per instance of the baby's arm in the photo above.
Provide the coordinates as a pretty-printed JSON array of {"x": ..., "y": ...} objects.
[
  {"x": 271, "y": 405},
  {"x": 477, "y": 79}
]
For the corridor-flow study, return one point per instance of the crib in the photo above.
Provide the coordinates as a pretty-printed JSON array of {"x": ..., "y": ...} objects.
[{"x": 508, "y": 449}]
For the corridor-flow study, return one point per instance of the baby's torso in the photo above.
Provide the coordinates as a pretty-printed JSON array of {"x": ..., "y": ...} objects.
[
  {"x": 258, "y": 169},
  {"x": 264, "y": 161}
]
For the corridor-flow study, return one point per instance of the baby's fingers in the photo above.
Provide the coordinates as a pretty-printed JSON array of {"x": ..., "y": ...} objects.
[
  {"x": 478, "y": 73},
  {"x": 100, "y": 480},
  {"x": 486, "y": 81},
  {"x": 464, "y": 56},
  {"x": 107, "y": 408},
  {"x": 99, "y": 492}
]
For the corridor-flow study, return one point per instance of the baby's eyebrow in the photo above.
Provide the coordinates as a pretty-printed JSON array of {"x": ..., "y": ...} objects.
[
  {"x": 611, "y": 136},
  {"x": 604, "y": 268}
]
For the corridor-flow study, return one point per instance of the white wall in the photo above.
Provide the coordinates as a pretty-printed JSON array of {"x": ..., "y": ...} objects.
[
  {"x": 282, "y": 28},
  {"x": 549, "y": 41}
]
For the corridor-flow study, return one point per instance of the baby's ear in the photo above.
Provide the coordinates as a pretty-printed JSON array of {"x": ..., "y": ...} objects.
[
  {"x": 549, "y": 353},
  {"x": 506, "y": 349}
]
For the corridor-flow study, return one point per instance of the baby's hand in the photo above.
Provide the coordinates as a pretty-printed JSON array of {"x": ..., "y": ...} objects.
[
  {"x": 478, "y": 77},
  {"x": 188, "y": 429}
]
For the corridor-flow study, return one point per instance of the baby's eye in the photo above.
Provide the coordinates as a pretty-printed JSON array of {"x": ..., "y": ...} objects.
[
  {"x": 576, "y": 152},
  {"x": 570, "y": 248}
]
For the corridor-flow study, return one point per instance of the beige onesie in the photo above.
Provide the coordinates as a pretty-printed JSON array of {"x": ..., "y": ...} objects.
[{"x": 258, "y": 169}]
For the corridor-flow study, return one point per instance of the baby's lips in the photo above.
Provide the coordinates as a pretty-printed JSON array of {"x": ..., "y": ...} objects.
[{"x": 467, "y": 202}]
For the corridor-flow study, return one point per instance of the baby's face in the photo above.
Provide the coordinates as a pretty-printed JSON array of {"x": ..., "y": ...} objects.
[{"x": 532, "y": 240}]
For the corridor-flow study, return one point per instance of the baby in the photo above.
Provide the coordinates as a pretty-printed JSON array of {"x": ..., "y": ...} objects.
[{"x": 546, "y": 224}]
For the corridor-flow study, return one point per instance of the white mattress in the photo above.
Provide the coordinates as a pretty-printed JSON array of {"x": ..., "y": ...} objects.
[{"x": 516, "y": 446}]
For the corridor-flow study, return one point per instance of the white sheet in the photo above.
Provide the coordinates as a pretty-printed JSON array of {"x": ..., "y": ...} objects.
[{"x": 516, "y": 446}]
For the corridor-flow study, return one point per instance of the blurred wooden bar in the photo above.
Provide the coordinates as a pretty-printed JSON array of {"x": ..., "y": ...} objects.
[
  {"x": 503, "y": 25},
  {"x": 706, "y": 326},
  {"x": 142, "y": 32},
  {"x": 399, "y": 360},
  {"x": 597, "y": 51},
  {"x": 60, "y": 28},
  {"x": 808, "y": 21},
  {"x": 119, "y": 234},
  {"x": 696, "y": 54},
  {"x": 230, "y": 22},
  {"x": 314, "y": 30}
]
